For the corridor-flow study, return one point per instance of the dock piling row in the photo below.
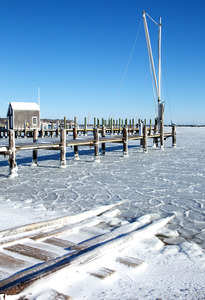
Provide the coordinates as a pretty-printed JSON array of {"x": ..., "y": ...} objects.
[{"x": 101, "y": 135}]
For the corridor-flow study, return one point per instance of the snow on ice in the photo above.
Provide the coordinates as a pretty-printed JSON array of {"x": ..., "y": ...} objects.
[{"x": 156, "y": 185}]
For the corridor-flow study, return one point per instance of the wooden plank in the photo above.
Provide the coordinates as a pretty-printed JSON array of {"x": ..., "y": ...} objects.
[
  {"x": 130, "y": 261},
  {"x": 59, "y": 221},
  {"x": 59, "y": 242},
  {"x": 29, "y": 251},
  {"x": 9, "y": 262},
  {"x": 18, "y": 282},
  {"x": 102, "y": 273},
  {"x": 65, "y": 229}
]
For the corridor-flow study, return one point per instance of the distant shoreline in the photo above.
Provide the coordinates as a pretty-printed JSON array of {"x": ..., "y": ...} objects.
[
  {"x": 182, "y": 125},
  {"x": 45, "y": 120}
]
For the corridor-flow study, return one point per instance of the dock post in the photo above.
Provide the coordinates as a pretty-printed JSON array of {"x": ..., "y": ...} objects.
[
  {"x": 51, "y": 129},
  {"x": 57, "y": 129},
  {"x": 145, "y": 137},
  {"x": 155, "y": 139},
  {"x": 141, "y": 132},
  {"x": 12, "y": 156},
  {"x": 162, "y": 127},
  {"x": 103, "y": 144},
  {"x": 111, "y": 126},
  {"x": 140, "y": 128},
  {"x": 76, "y": 155},
  {"x": 35, "y": 151},
  {"x": 75, "y": 122},
  {"x": 85, "y": 127},
  {"x": 63, "y": 148},
  {"x": 125, "y": 141},
  {"x": 119, "y": 126},
  {"x": 25, "y": 131},
  {"x": 174, "y": 136},
  {"x": 150, "y": 127},
  {"x": 96, "y": 144}
]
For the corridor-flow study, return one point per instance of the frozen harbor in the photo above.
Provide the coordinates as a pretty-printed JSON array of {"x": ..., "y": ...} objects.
[{"x": 164, "y": 183}]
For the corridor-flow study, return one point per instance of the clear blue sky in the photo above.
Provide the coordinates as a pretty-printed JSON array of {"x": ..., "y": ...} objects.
[{"x": 77, "y": 51}]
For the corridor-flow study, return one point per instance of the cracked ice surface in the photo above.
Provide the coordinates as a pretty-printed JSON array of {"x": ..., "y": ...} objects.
[{"x": 162, "y": 182}]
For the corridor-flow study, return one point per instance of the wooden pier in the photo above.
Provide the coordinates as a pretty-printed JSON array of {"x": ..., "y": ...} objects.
[{"x": 99, "y": 137}]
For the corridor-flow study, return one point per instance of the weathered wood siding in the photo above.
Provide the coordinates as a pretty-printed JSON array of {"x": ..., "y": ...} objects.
[{"x": 22, "y": 118}]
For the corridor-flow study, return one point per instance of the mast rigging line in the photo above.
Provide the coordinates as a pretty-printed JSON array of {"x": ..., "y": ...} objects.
[
  {"x": 129, "y": 60},
  {"x": 152, "y": 19}
]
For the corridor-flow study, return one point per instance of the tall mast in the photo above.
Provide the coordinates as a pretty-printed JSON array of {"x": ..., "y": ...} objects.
[
  {"x": 150, "y": 51},
  {"x": 157, "y": 85},
  {"x": 159, "y": 61}
]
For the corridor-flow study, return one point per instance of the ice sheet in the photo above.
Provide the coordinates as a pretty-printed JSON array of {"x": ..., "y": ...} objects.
[{"x": 160, "y": 182}]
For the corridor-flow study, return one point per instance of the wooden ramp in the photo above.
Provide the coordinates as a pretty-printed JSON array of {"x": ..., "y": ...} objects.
[{"x": 41, "y": 249}]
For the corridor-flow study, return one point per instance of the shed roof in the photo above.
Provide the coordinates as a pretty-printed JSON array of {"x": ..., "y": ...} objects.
[{"x": 24, "y": 106}]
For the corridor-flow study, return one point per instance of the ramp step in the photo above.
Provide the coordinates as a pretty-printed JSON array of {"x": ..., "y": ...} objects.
[
  {"x": 102, "y": 273},
  {"x": 31, "y": 252},
  {"x": 9, "y": 262},
  {"x": 130, "y": 261},
  {"x": 59, "y": 242}
]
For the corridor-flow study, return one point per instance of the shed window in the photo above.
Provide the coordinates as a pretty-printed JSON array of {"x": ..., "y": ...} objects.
[{"x": 34, "y": 120}]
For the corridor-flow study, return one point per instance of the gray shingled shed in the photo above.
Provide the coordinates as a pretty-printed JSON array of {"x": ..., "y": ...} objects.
[{"x": 23, "y": 114}]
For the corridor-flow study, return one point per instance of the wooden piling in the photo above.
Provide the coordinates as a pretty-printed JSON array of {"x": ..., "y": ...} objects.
[
  {"x": 150, "y": 127},
  {"x": 96, "y": 144},
  {"x": 51, "y": 129},
  {"x": 63, "y": 148},
  {"x": 25, "y": 131},
  {"x": 111, "y": 123},
  {"x": 12, "y": 155},
  {"x": 140, "y": 124},
  {"x": 119, "y": 126},
  {"x": 103, "y": 144},
  {"x": 162, "y": 127},
  {"x": 145, "y": 137},
  {"x": 57, "y": 129},
  {"x": 155, "y": 140},
  {"x": 174, "y": 136},
  {"x": 35, "y": 152},
  {"x": 85, "y": 127},
  {"x": 75, "y": 122},
  {"x": 133, "y": 126},
  {"x": 76, "y": 155},
  {"x": 125, "y": 141}
]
